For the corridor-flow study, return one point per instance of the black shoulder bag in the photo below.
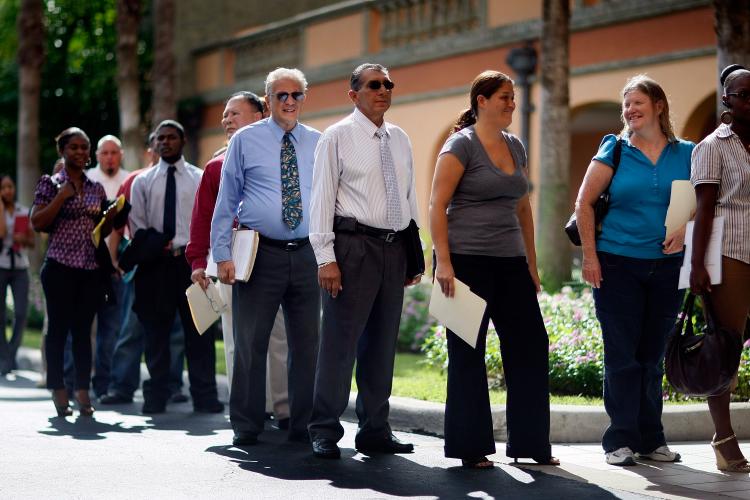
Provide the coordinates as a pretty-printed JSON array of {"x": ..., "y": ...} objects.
[
  {"x": 601, "y": 207},
  {"x": 701, "y": 365}
]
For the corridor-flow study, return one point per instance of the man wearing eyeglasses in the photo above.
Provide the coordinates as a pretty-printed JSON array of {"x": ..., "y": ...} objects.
[
  {"x": 363, "y": 199},
  {"x": 265, "y": 182}
]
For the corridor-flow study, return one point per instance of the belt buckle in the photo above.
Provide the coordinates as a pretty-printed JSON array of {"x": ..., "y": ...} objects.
[
  {"x": 390, "y": 237},
  {"x": 291, "y": 245}
]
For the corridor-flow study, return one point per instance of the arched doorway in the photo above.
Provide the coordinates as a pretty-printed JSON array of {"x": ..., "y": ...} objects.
[{"x": 702, "y": 121}]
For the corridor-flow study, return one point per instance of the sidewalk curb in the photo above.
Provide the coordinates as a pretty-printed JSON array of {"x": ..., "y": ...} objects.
[{"x": 568, "y": 423}]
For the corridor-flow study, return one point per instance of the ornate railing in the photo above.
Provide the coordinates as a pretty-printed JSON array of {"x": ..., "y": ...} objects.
[
  {"x": 261, "y": 54},
  {"x": 410, "y": 21}
]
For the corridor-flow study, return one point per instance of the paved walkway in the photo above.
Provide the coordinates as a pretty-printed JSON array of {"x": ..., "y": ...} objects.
[{"x": 180, "y": 454}]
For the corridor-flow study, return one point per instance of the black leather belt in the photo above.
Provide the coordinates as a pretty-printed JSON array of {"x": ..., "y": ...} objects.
[
  {"x": 350, "y": 225},
  {"x": 288, "y": 245},
  {"x": 175, "y": 252}
]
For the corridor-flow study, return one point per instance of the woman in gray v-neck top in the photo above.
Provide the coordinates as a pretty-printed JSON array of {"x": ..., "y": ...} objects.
[{"x": 483, "y": 232}]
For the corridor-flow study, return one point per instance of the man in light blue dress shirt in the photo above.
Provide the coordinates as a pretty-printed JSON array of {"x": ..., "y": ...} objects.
[{"x": 265, "y": 183}]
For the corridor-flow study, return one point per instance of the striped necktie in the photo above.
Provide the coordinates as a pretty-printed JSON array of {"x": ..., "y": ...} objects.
[{"x": 393, "y": 202}]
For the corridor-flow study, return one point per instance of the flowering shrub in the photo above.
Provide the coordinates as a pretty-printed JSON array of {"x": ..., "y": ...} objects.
[
  {"x": 576, "y": 357},
  {"x": 416, "y": 321}
]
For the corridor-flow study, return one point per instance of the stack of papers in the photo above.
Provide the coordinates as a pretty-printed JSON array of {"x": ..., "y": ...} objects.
[{"x": 713, "y": 253}]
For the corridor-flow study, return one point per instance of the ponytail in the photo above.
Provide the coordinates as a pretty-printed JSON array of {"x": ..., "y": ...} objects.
[{"x": 465, "y": 119}]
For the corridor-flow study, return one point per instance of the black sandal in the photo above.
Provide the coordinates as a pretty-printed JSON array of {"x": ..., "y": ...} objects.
[{"x": 477, "y": 463}]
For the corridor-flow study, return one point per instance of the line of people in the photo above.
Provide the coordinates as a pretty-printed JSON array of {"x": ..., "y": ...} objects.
[{"x": 331, "y": 209}]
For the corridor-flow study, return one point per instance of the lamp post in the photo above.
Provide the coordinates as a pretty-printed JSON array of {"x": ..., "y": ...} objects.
[{"x": 523, "y": 61}]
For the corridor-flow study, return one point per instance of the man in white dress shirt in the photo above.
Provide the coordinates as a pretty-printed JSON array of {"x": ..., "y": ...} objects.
[
  {"x": 363, "y": 198},
  {"x": 162, "y": 201}
]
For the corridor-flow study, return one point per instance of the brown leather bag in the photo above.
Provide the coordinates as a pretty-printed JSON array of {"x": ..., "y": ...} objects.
[{"x": 701, "y": 364}]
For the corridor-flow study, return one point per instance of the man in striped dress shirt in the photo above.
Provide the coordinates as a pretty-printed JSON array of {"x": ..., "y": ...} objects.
[{"x": 363, "y": 197}]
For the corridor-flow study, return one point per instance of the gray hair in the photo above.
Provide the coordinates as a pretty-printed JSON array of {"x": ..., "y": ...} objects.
[
  {"x": 108, "y": 138},
  {"x": 354, "y": 81},
  {"x": 285, "y": 74}
]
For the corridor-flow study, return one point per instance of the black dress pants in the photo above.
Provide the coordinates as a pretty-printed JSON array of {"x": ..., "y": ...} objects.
[
  {"x": 506, "y": 285},
  {"x": 160, "y": 294},
  {"x": 73, "y": 295}
]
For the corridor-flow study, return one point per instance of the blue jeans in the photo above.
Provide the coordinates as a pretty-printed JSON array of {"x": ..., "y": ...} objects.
[
  {"x": 108, "y": 324},
  {"x": 637, "y": 306},
  {"x": 18, "y": 280},
  {"x": 126, "y": 360}
]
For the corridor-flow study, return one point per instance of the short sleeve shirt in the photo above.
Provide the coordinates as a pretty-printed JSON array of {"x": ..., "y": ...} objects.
[
  {"x": 639, "y": 197},
  {"x": 70, "y": 233},
  {"x": 13, "y": 256},
  {"x": 482, "y": 216},
  {"x": 722, "y": 159}
]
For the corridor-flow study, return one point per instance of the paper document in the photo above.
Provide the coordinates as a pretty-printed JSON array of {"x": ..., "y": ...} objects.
[
  {"x": 205, "y": 306},
  {"x": 681, "y": 206},
  {"x": 713, "y": 253},
  {"x": 244, "y": 248},
  {"x": 462, "y": 313}
]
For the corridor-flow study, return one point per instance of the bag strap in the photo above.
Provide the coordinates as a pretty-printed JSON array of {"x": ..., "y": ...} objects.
[
  {"x": 616, "y": 153},
  {"x": 685, "y": 317}
]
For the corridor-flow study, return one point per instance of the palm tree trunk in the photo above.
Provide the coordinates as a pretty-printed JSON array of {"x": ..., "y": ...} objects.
[
  {"x": 30, "y": 60},
  {"x": 128, "y": 96},
  {"x": 732, "y": 25},
  {"x": 164, "y": 103},
  {"x": 554, "y": 248}
]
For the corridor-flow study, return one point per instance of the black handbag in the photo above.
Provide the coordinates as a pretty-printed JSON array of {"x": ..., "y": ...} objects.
[
  {"x": 704, "y": 364},
  {"x": 601, "y": 207}
]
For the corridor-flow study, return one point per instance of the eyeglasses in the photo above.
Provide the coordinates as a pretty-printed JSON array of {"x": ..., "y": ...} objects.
[
  {"x": 742, "y": 94},
  {"x": 376, "y": 84},
  {"x": 283, "y": 96}
]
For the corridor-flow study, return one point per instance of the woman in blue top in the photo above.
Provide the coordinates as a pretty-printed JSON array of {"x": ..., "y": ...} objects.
[{"x": 634, "y": 267}]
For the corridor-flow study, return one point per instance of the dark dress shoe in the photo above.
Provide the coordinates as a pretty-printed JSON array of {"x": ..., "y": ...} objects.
[
  {"x": 281, "y": 424},
  {"x": 151, "y": 407},
  {"x": 214, "y": 406},
  {"x": 299, "y": 436},
  {"x": 178, "y": 397},
  {"x": 391, "y": 444},
  {"x": 244, "y": 439},
  {"x": 325, "y": 448},
  {"x": 114, "y": 399}
]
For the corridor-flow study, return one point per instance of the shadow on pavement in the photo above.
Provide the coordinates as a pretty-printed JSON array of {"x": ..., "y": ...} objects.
[
  {"x": 398, "y": 475},
  {"x": 87, "y": 428}
]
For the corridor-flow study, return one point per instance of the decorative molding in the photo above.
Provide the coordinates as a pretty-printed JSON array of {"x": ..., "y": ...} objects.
[{"x": 643, "y": 61}]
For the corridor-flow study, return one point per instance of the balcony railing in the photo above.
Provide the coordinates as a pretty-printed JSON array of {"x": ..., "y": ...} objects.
[
  {"x": 261, "y": 54},
  {"x": 411, "y": 21}
]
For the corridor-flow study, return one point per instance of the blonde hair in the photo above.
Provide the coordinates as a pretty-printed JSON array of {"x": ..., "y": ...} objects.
[{"x": 655, "y": 93}]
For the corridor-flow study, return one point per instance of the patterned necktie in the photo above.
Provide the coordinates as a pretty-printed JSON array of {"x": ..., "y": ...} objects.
[
  {"x": 170, "y": 203},
  {"x": 393, "y": 202},
  {"x": 291, "y": 198}
]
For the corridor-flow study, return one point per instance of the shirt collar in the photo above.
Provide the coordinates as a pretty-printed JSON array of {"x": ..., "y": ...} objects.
[
  {"x": 365, "y": 123},
  {"x": 163, "y": 165},
  {"x": 724, "y": 131},
  {"x": 279, "y": 132},
  {"x": 63, "y": 176}
]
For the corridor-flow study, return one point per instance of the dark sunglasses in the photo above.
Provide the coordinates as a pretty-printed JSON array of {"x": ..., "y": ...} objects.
[
  {"x": 742, "y": 94},
  {"x": 375, "y": 84},
  {"x": 283, "y": 96}
]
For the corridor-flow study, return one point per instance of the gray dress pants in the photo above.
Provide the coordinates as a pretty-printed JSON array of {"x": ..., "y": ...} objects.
[
  {"x": 361, "y": 322},
  {"x": 289, "y": 279}
]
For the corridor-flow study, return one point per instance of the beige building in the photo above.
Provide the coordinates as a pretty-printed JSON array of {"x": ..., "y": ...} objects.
[{"x": 434, "y": 49}]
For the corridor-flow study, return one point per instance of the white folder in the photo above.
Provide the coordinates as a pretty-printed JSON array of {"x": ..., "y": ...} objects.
[
  {"x": 206, "y": 306},
  {"x": 682, "y": 205},
  {"x": 244, "y": 249},
  {"x": 713, "y": 253},
  {"x": 462, "y": 313}
]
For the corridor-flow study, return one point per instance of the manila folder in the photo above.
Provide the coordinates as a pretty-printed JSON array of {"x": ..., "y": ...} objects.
[
  {"x": 205, "y": 306},
  {"x": 681, "y": 205},
  {"x": 462, "y": 313}
]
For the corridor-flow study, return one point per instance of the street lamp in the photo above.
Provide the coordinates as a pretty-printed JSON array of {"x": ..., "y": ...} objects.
[{"x": 523, "y": 61}]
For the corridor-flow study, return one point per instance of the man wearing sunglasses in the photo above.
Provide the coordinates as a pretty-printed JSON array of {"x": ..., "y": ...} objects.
[
  {"x": 363, "y": 199},
  {"x": 265, "y": 183}
]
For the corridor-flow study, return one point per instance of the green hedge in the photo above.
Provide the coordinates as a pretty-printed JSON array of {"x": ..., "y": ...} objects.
[{"x": 576, "y": 358}]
